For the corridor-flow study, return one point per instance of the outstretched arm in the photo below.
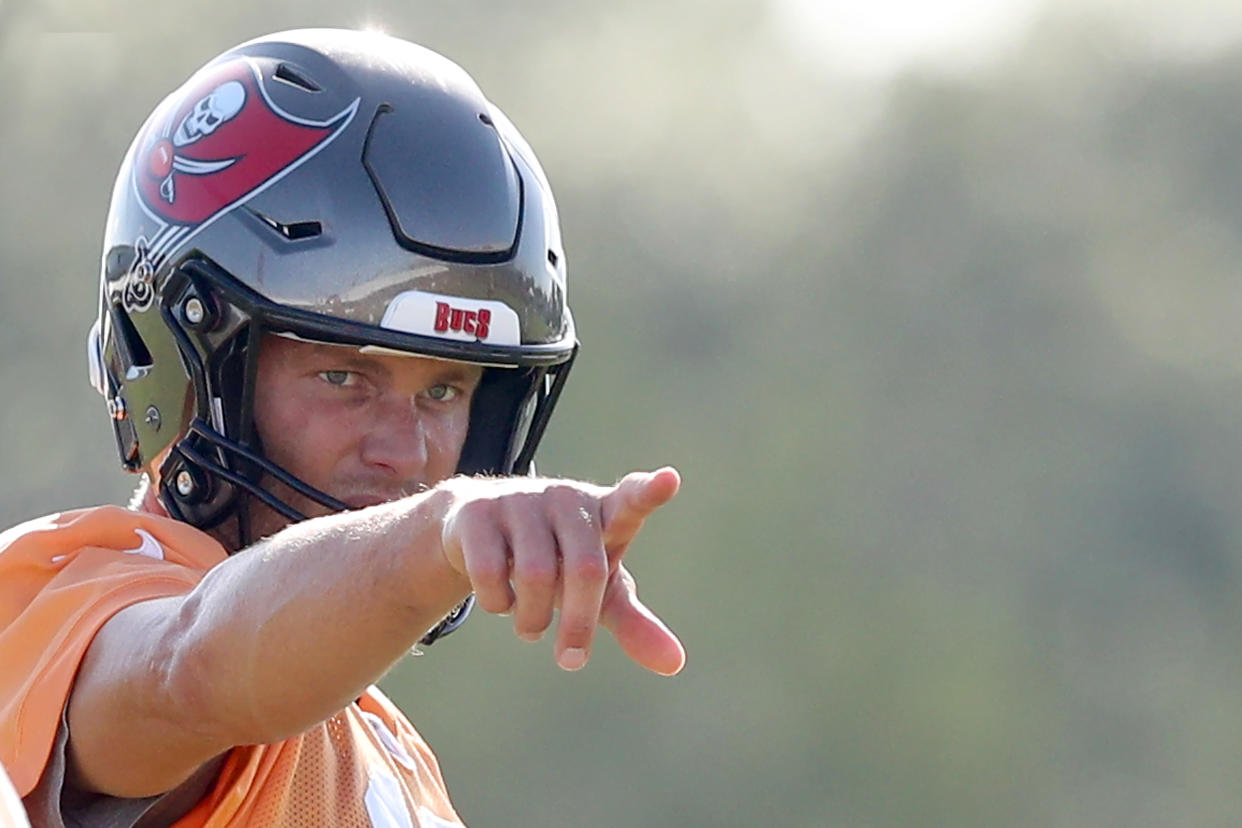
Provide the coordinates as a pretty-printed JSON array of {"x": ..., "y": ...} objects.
[{"x": 286, "y": 633}]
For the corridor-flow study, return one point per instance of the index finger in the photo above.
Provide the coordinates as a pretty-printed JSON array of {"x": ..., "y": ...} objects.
[{"x": 630, "y": 503}]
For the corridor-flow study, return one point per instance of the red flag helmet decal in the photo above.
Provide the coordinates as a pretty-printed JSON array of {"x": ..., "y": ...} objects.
[{"x": 222, "y": 141}]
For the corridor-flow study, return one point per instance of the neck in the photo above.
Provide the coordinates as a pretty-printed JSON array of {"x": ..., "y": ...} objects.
[{"x": 147, "y": 500}]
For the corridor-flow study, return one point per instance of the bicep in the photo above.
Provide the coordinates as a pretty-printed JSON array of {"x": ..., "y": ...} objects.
[{"x": 134, "y": 714}]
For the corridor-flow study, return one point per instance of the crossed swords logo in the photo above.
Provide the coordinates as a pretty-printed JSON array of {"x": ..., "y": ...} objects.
[{"x": 221, "y": 105}]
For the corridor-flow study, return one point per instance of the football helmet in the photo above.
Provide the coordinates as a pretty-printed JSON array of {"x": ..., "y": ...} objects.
[{"x": 331, "y": 186}]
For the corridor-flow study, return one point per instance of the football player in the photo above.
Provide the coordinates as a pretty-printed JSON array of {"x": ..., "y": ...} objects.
[{"x": 332, "y": 328}]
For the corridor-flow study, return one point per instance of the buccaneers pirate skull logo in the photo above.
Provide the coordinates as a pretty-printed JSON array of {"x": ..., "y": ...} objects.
[
  {"x": 212, "y": 146},
  {"x": 223, "y": 104}
]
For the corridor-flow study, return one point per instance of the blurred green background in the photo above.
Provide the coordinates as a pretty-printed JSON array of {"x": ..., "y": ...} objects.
[{"x": 943, "y": 336}]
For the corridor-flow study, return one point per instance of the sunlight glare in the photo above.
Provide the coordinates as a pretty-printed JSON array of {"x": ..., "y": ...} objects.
[{"x": 882, "y": 37}]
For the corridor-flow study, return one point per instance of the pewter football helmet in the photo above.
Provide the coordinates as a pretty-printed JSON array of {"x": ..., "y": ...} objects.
[{"x": 334, "y": 186}]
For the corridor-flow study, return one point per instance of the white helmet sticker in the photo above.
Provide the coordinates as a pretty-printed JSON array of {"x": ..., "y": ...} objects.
[{"x": 453, "y": 317}]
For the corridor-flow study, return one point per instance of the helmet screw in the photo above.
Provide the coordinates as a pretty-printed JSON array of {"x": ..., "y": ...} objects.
[
  {"x": 185, "y": 483},
  {"x": 116, "y": 408},
  {"x": 194, "y": 311},
  {"x": 153, "y": 418}
]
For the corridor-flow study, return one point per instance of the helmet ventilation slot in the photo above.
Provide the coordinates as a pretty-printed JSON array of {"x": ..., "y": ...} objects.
[
  {"x": 291, "y": 231},
  {"x": 293, "y": 76}
]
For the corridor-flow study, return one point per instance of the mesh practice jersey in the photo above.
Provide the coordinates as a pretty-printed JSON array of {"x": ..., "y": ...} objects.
[{"x": 63, "y": 576}]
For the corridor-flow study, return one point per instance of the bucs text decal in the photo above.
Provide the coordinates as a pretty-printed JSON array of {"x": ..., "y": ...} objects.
[
  {"x": 474, "y": 322},
  {"x": 210, "y": 148}
]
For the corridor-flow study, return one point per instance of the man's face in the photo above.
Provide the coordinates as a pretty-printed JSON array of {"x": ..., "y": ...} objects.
[{"x": 364, "y": 428}]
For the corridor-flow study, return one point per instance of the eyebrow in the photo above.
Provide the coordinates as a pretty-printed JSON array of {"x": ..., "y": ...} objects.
[
  {"x": 347, "y": 357},
  {"x": 342, "y": 355},
  {"x": 457, "y": 372}
]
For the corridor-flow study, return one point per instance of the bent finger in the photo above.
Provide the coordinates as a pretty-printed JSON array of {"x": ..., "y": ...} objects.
[
  {"x": 584, "y": 577},
  {"x": 485, "y": 554},
  {"x": 535, "y": 571}
]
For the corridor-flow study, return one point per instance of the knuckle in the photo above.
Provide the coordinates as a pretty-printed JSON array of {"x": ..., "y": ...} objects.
[
  {"x": 576, "y": 630},
  {"x": 518, "y": 504},
  {"x": 475, "y": 511},
  {"x": 486, "y": 572},
  {"x": 587, "y": 512},
  {"x": 589, "y": 568},
  {"x": 539, "y": 574},
  {"x": 564, "y": 495}
]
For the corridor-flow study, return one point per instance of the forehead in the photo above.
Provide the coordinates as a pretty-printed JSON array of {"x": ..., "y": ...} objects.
[{"x": 286, "y": 353}]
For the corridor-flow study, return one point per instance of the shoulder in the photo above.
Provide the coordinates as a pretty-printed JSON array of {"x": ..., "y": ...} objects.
[
  {"x": 62, "y": 577},
  {"x": 59, "y": 537}
]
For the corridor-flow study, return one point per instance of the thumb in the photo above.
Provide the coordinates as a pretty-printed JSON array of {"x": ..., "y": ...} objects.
[{"x": 641, "y": 634}]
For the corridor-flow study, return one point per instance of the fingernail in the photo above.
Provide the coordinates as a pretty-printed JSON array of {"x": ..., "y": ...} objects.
[
  {"x": 572, "y": 659},
  {"x": 532, "y": 637}
]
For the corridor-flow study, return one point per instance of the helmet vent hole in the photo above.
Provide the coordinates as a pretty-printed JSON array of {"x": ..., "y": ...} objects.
[
  {"x": 301, "y": 230},
  {"x": 553, "y": 258},
  {"x": 291, "y": 231},
  {"x": 485, "y": 118},
  {"x": 295, "y": 77}
]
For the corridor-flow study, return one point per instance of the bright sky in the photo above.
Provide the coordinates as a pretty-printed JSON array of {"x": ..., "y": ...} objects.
[{"x": 875, "y": 38}]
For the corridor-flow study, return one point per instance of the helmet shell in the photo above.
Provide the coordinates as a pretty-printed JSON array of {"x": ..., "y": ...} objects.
[{"x": 336, "y": 186}]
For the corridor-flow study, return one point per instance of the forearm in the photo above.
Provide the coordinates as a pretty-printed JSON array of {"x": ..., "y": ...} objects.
[
  {"x": 273, "y": 640},
  {"x": 289, "y": 631},
  {"x": 292, "y": 629}
]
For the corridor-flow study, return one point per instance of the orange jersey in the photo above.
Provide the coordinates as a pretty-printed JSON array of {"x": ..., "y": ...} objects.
[{"x": 62, "y": 577}]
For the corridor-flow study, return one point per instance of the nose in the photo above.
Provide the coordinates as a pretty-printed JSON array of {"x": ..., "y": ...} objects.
[{"x": 396, "y": 440}]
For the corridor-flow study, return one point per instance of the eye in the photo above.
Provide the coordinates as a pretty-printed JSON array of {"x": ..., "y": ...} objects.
[
  {"x": 442, "y": 392},
  {"x": 340, "y": 379}
]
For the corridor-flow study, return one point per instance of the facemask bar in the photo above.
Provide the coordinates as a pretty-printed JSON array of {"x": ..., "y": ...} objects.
[
  {"x": 554, "y": 383},
  {"x": 196, "y": 459}
]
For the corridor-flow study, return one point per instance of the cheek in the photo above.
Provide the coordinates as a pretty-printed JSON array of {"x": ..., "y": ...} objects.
[
  {"x": 445, "y": 438},
  {"x": 298, "y": 435}
]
